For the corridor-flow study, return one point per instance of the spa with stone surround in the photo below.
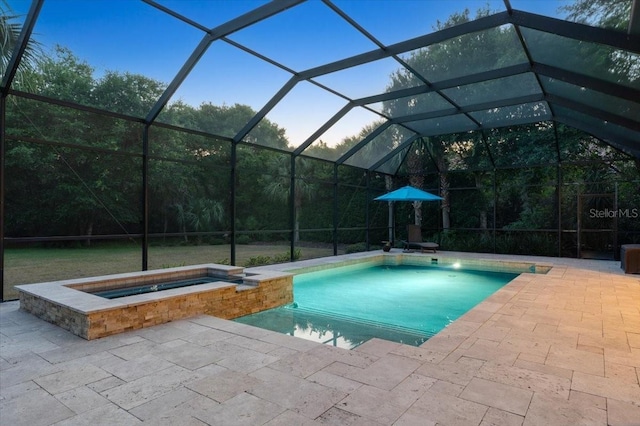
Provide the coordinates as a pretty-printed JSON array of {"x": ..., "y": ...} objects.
[{"x": 231, "y": 292}]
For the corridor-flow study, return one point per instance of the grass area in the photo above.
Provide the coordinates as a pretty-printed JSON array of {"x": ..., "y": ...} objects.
[{"x": 33, "y": 265}]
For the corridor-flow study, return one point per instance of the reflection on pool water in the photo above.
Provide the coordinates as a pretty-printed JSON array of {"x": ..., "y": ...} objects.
[{"x": 349, "y": 305}]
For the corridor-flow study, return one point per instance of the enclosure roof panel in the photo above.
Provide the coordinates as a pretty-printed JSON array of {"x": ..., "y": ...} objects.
[{"x": 347, "y": 81}]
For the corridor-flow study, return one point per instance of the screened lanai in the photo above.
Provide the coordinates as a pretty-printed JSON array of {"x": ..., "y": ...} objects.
[{"x": 147, "y": 134}]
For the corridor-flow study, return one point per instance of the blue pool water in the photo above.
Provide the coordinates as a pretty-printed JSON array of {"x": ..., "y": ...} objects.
[{"x": 347, "y": 306}]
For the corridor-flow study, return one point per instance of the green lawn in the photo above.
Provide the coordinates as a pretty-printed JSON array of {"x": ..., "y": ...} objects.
[{"x": 33, "y": 265}]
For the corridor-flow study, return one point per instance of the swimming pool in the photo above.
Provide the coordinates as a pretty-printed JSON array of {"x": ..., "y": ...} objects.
[{"x": 349, "y": 305}]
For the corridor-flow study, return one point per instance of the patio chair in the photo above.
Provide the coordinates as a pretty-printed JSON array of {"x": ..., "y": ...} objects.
[{"x": 414, "y": 240}]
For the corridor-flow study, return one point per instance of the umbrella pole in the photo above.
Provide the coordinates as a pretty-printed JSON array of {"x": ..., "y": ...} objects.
[{"x": 391, "y": 228}]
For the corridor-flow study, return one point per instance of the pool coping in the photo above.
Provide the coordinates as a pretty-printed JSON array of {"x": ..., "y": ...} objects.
[{"x": 464, "y": 261}]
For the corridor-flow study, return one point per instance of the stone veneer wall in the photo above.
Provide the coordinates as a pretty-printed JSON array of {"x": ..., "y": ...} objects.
[
  {"x": 60, "y": 315},
  {"x": 229, "y": 301}
]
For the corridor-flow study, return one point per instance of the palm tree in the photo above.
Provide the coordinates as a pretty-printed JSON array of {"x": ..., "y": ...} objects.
[
  {"x": 437, "y": 149},
  {"x": 10, "y": 29},
  {"x": 280, "y": 186},
  {"x": 415, "y": 166}
]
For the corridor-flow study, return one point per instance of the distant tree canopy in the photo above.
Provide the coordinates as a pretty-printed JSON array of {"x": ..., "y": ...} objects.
[{"x": 613, "y": 14}]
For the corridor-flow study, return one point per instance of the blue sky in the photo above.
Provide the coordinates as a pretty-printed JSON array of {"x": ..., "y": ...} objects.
[{"x": 130, "y": 36}]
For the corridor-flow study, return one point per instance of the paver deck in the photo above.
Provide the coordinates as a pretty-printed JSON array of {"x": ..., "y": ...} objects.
[{"x": 555, "y": 349}]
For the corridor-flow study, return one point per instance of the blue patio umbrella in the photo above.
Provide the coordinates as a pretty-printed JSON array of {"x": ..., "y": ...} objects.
[{"x": 406, "y": 193}]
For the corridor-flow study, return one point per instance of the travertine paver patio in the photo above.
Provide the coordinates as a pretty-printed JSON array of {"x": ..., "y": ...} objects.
[{"x": 555, "y": 349}]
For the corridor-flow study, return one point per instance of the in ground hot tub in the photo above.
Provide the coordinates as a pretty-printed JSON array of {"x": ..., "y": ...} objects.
[{"x": 154, "y": 298}]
